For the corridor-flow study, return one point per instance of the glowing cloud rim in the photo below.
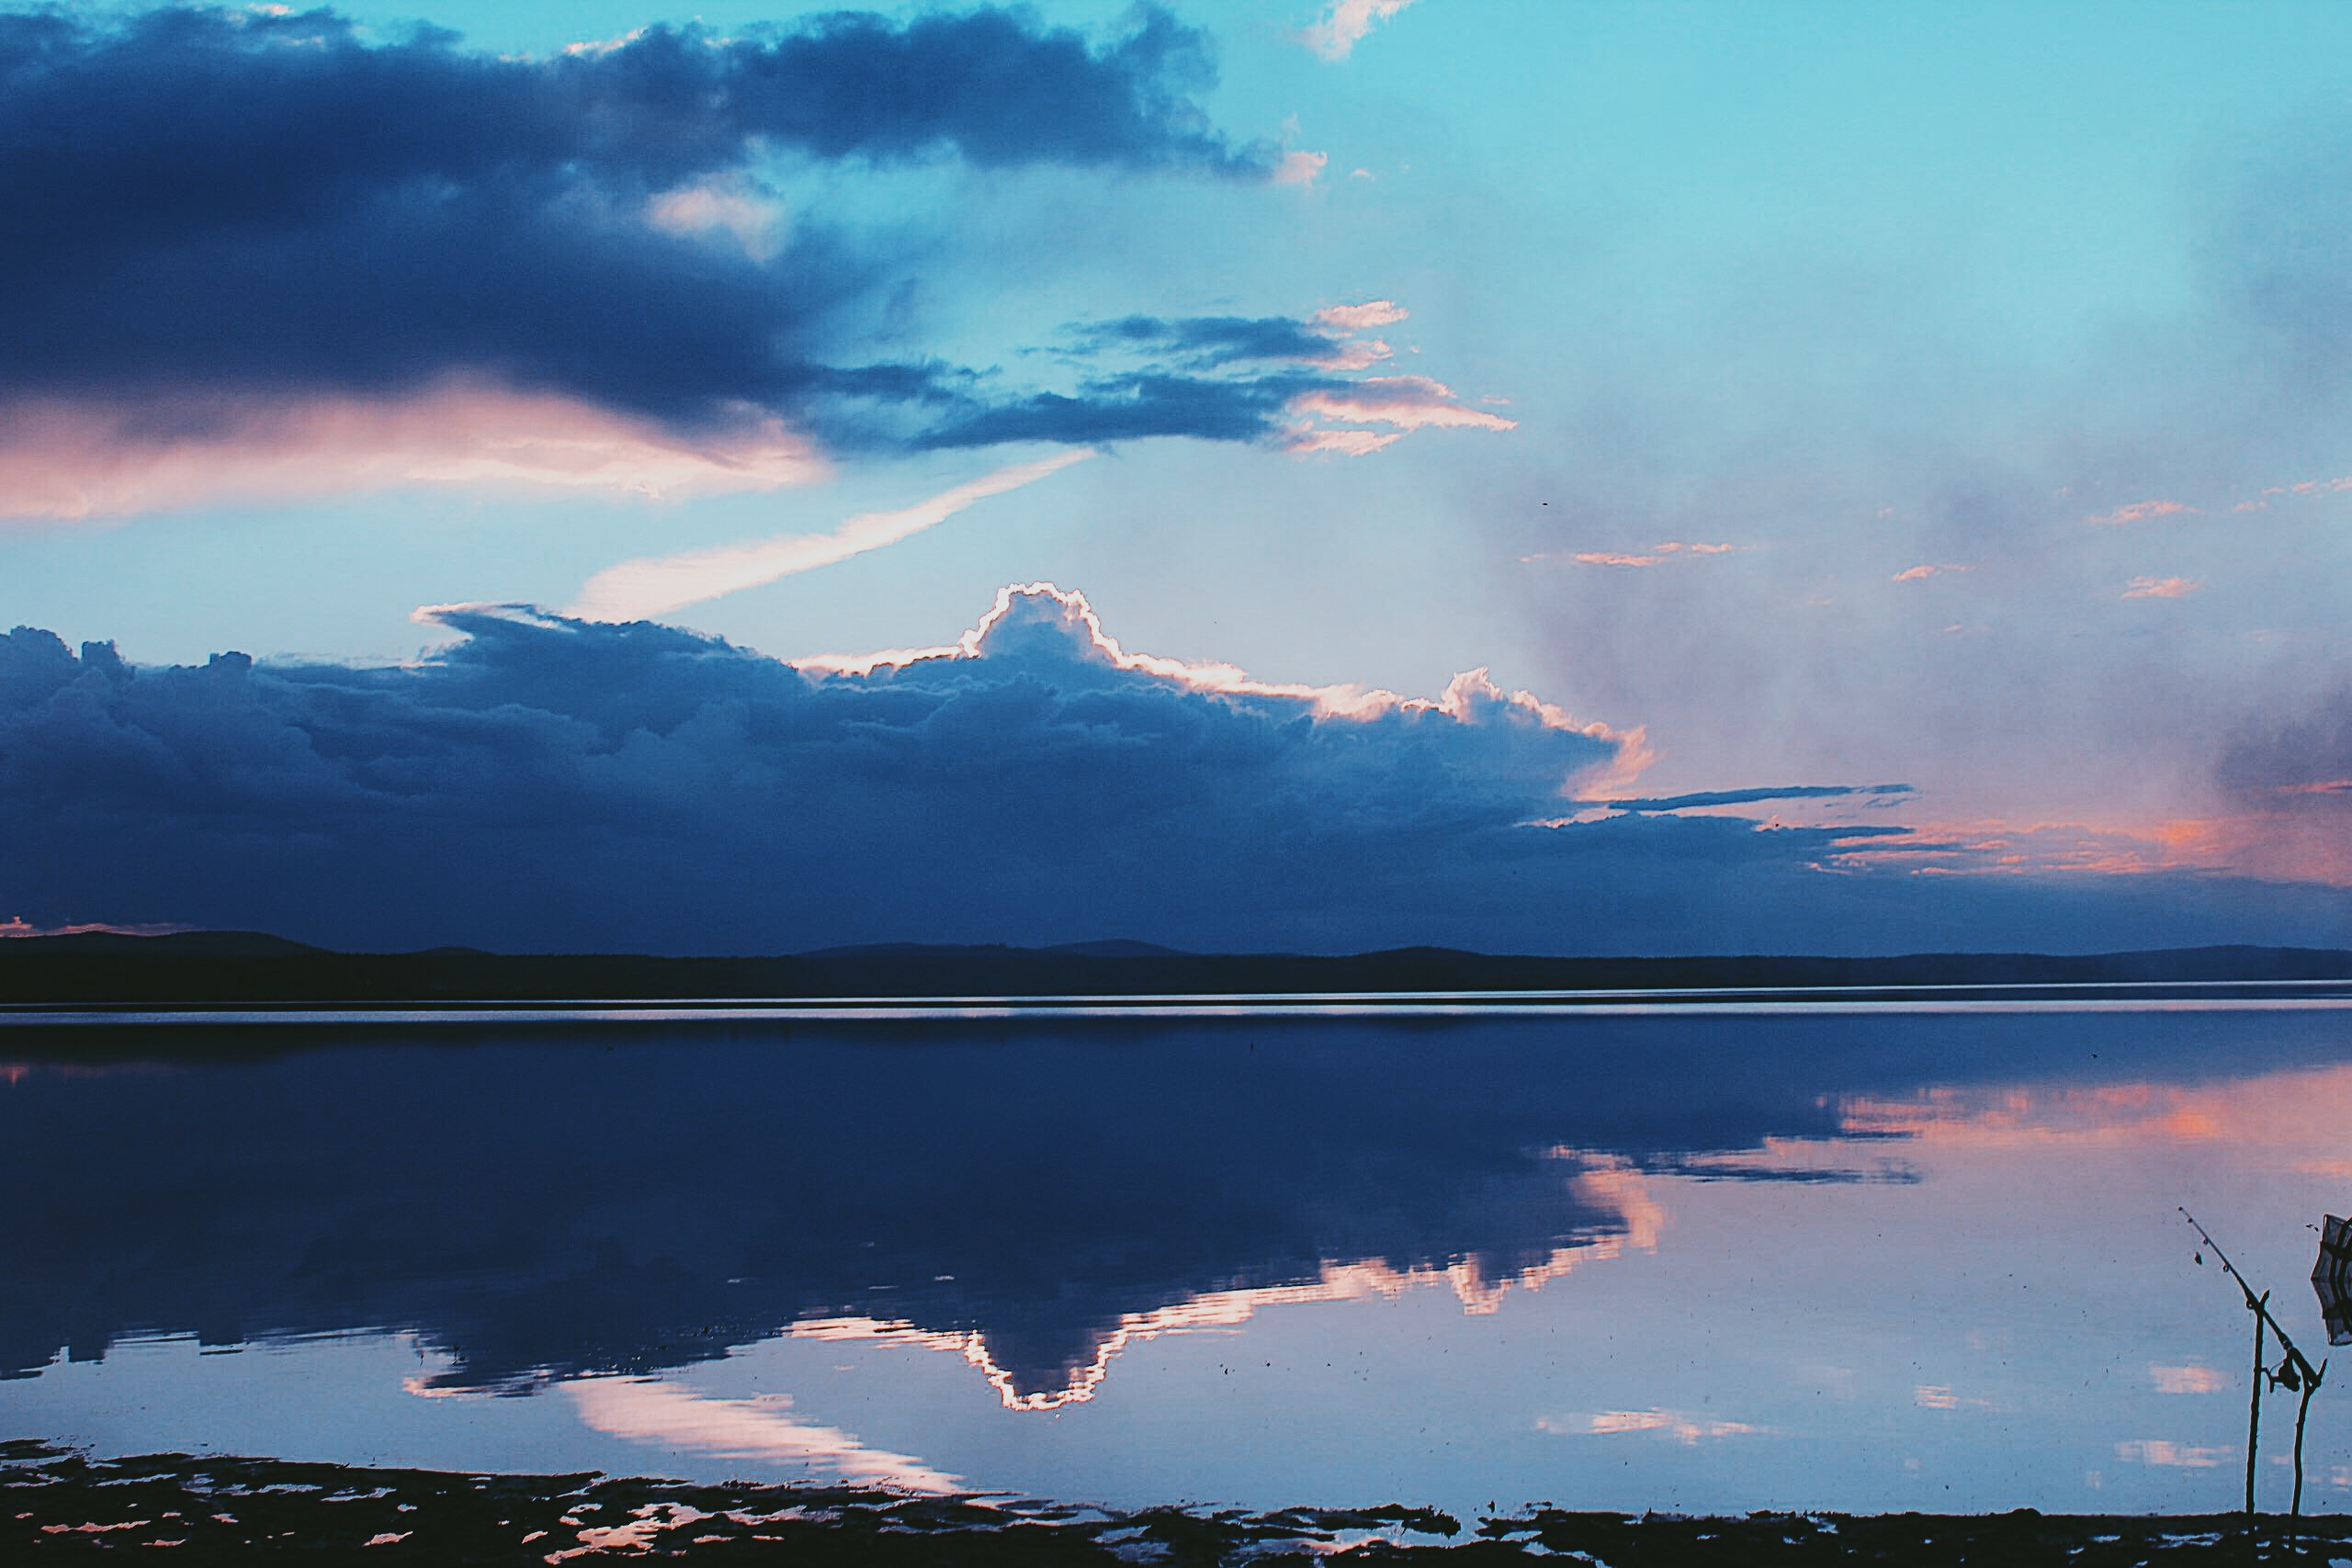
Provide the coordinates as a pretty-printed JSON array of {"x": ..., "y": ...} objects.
[{"x": 1467, "y": 697}]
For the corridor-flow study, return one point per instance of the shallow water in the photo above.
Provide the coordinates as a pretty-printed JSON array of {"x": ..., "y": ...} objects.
[{"x": 1859, "y": 1258}]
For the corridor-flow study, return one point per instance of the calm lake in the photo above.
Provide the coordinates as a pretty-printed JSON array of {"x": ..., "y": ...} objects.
[{"x": 1861, "y": 1259}]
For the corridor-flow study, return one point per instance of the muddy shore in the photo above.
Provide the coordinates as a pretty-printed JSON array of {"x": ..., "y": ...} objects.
[{"x": 221, "y": 1509}]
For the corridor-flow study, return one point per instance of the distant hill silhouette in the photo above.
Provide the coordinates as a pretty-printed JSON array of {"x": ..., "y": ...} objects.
[{"x": 213, "y": 969}]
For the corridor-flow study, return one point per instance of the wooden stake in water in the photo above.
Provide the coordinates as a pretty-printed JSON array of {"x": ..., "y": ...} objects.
[{"x": 2254, "y": 1406}]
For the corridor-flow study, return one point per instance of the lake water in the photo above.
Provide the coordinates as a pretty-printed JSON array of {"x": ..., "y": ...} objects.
[{"x": 1863, "y": 1259}]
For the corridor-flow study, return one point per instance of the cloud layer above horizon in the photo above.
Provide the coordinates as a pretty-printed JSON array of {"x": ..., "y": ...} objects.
[
  {"x": 547, "y": 783},
  {"x": 258, "y": 253}
]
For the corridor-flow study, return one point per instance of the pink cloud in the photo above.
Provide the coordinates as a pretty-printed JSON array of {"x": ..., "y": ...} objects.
[
  {"x": 2139, "y": 511},
  {"x": 1658, "y": 555},
  {"x": 2162, "y": 588},
  {"x": 1361, "y": 355},
  {"x": 63, "y": 459},
  {"x": 1914, "y": 573},
  {"x": 2312, "y": 487},
  {"x": 1357, "y": 318},
  {"x": 1337, "y": 32},
  {"x": 1409, "y": 402},
  {"x": 1300, "y": 168},
  {"x": 1306, "y": 441}
]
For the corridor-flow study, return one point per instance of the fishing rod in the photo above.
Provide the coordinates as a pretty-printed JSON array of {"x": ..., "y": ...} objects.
[
  {"x": 2296, "y": 1373},
  {"x": 2255, "y": 1302}
]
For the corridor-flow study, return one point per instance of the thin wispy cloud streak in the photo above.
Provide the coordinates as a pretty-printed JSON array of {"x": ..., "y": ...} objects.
[
  {"x": 654, "y": 585},
  {"x": 1750, "y": 796}
]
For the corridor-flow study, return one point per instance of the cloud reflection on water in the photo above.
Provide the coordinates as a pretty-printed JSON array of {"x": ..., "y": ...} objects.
[
  {"x": 1611, "y": 1184},
  {"x": 1032, "y": 1199},
  {"x": 765, "y": 1428}
]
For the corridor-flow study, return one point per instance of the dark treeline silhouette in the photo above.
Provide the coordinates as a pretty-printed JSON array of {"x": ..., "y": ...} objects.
[{"x": 212, "y": 967}]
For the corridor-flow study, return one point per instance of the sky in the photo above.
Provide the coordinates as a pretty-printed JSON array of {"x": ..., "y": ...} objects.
[{"x": 1265, "y": 474}]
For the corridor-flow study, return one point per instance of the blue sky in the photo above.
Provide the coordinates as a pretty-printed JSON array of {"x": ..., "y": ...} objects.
[{"x": 1984, "y": 370}]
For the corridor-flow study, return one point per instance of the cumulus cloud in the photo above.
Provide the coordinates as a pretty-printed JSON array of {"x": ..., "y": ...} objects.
[
  {"x": 243, "y": 240},
  {"x": 557, "y": 784}
]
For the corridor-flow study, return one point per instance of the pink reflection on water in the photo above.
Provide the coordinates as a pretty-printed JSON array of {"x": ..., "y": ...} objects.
[
  {"x": 2171, "y": 1456},
  {"x": 2191, "y": 1378},
  {"x": 2291, "y": 1121},
  {"x": 1611, "y": 1185},
  {"x": 1685, "y": 1428},
  {"x": 643, "y": 1410}
]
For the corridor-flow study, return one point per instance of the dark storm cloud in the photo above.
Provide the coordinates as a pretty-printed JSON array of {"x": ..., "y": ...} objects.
[
  {"x": 1202, "y": 376},
  {"x": 1130, "y": 407},
  {"x": 279, "y": 202},
  {"x": 2307, "y": 757},
  {"x": 1212, "y": 339},
  {"x": 2289, "y": 775},
  {"x": 554, "y": 785}
]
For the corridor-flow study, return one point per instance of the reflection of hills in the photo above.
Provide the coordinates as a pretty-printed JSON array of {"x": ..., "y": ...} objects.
[{"x": 621, "y": 1200}]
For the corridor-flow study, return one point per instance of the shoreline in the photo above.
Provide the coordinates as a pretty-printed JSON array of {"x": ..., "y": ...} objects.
[{"x": 223, "y": 1508}]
